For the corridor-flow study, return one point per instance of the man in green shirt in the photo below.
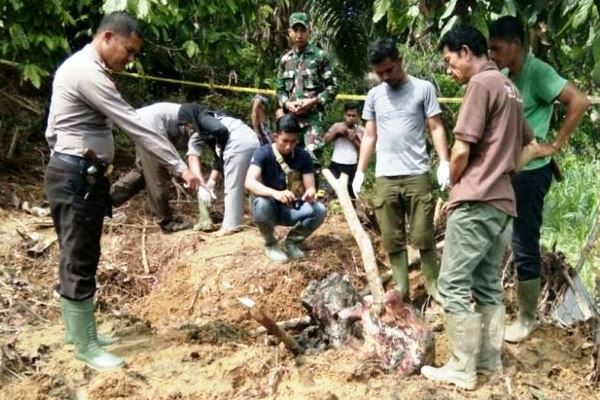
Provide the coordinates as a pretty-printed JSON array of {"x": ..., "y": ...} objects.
[{"x": 540, "y": 85}]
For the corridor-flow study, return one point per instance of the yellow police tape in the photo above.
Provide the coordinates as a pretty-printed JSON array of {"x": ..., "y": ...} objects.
[
  {"x": 212, "y": 86},
  {"x": 241, "y": 89}
]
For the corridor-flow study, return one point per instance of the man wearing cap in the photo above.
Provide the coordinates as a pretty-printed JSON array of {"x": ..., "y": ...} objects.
[
  {"x": 305, "y": 82},
  {"x": 85, "y": 102}
]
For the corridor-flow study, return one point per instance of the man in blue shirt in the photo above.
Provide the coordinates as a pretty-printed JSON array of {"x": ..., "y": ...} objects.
[{"x": 281, "y": 179}]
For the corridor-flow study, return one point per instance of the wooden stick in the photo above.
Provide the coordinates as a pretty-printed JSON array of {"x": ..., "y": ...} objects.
[
  {"x": 591, "y": 240},
  {"x": 287, "y": 324},
  {"x": 193, "y": 303},
  {"x": 144, "y": 255},
  {"x": 271, "y": 326},
  {"x": 13, "y": 144},
  {"x": 227, "y": 254},
  {"x": 360, "y": 235},
  {"x": 23, "y": 102}
]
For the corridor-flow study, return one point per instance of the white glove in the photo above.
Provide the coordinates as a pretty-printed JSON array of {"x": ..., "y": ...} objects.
[
  {"x": 210, "y": 184},
  {"x": 206, "y": 196},
  {"x": 443, "y": 175},
  {"x": 357, "y": 183}
]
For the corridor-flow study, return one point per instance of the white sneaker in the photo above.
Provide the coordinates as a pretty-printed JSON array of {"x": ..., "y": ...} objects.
[{"x": 276, "y": 254}]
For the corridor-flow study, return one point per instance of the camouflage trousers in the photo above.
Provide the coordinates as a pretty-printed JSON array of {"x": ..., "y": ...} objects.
[{"x": 311, "y": 135}]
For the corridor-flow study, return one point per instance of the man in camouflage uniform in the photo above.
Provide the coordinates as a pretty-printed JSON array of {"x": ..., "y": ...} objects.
[{"x": 305, "y": 82}]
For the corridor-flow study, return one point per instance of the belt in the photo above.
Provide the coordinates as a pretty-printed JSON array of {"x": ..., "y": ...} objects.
[
  {"x": 83, "y": 164},
  {"x": 71, "y": 159}
]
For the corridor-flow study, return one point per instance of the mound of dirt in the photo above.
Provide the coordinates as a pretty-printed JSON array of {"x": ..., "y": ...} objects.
[{"x": 184, "y": 334}]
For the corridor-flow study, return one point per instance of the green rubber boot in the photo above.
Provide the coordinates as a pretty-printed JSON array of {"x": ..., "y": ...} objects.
[
  {"x": 528, "y": 293},
  {"x": 492, "y": 337},
  {"x": 102, "y": 340},
  {"x": 79, "y": 317},
  {"x": 399, "y": 264},
  {"x": 204, "y": 219},
  {"x": 430, "y": 268},
  {"x": 464, "y": 338}
]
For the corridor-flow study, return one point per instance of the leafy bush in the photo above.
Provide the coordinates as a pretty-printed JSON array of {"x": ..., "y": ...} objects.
[{"x": 569, "y": 207}]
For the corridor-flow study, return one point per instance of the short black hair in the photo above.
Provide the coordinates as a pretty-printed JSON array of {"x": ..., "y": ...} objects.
[
  {"x": 508, "y": 28},
  {"x": 121, "y": 23},
  {"x": 288, "y": 124},
  {"x": 351, "y": 106},
  {"x": 381, "y": 49},
  {"x": 465, "y": 35}
]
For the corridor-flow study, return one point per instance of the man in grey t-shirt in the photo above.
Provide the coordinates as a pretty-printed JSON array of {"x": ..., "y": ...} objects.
[{"x": 397, "y": 113}]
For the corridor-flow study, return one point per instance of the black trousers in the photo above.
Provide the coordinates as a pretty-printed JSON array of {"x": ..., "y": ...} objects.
[
  {"x": 348, "y": 169},
  {"x": 530, "y": 190},
  {"x": 78, "y": 210}
]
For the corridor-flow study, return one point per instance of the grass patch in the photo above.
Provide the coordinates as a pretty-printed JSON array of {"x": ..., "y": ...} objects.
[{"x": 569, "y": 211}]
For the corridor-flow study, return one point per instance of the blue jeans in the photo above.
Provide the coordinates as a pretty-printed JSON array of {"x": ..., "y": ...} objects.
[
  {"x": 530, "y": 190},
  {"x": 268, "y": 212}
]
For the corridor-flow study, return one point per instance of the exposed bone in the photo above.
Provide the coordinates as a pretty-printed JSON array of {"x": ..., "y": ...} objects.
[
  {"x": 293, "y": 323},
  {"x": 144, "y": 255}
]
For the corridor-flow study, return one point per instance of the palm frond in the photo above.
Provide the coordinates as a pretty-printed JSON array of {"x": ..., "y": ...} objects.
[{"x": 346, "y": 24}]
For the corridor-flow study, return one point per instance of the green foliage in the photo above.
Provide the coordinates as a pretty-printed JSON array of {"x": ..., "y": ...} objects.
[
  {"x": 38, "y": 34},
  {"x": 346, "y": 25},
  {"x": 568, "y": 212}
]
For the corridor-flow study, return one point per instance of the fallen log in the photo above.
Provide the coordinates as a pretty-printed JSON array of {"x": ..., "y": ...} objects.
[{"x": 360, "y": 235}]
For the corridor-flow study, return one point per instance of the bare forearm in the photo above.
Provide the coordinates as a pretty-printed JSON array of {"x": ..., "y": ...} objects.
[
  {"x": 329, "y": 136},
  {"x": 366, "y": 150},
  {"x": 528, "y": 153},
  {"x": 459, "y": 160},
  {"x": 440, "y": 143},
  {"x": 308, "y": 180},
  {"x": 438, "y": 136},
  {"x": 356, "y": 142},
  {"x": 194, "y": 164},
  {"x": 258, "y": 189},
  {"x": 575, "y": 111}
]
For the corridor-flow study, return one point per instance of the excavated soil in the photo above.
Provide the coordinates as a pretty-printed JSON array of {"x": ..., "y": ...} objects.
[{"x": 185, "y": 335}]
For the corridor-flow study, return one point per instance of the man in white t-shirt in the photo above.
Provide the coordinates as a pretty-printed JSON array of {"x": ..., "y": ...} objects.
[
  {"x": 398, "y": 112},
  {"x": 346, "y": 137}
]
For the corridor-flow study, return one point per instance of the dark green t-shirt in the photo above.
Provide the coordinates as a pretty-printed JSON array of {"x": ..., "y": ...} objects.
[{"x": 540, "y": 85}]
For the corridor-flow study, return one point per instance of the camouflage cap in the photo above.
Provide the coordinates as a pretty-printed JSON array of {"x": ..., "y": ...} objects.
[{"x": 299, "y": 18}]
